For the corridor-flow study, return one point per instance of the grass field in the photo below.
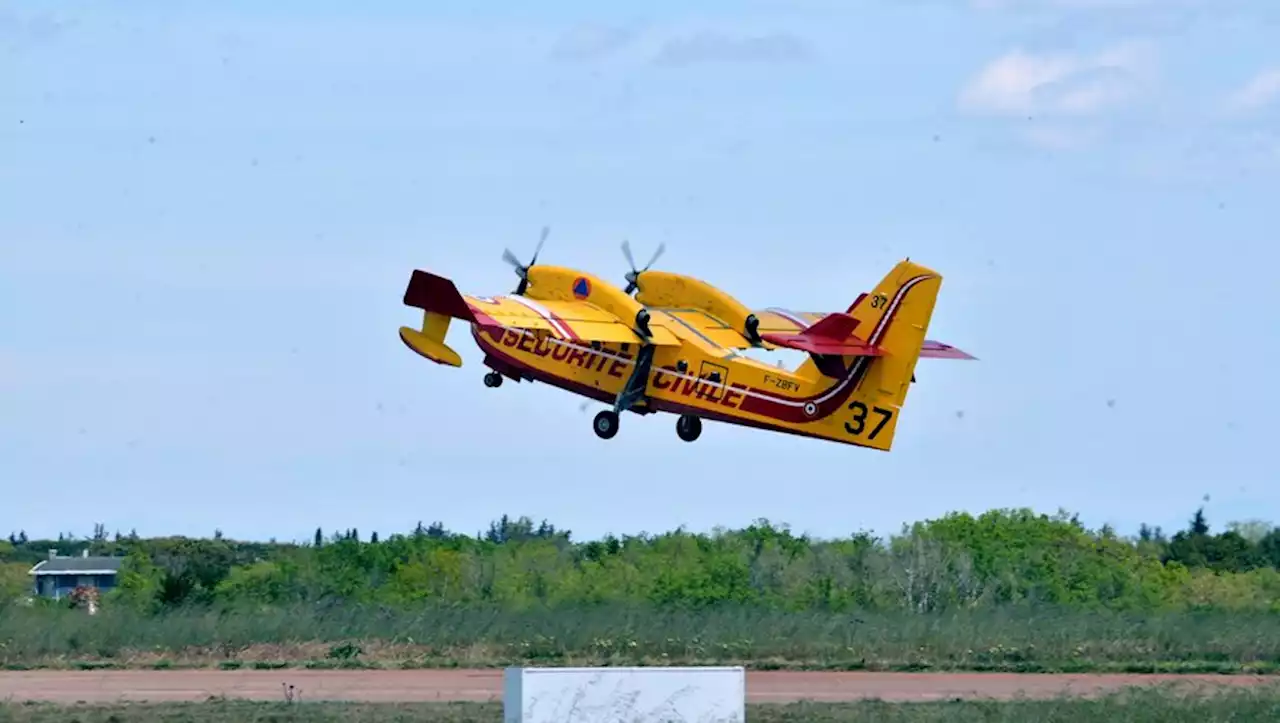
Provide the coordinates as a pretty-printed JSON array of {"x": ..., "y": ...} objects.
[
  {"x": 1005, "y": 640},
  {"x": 1136, "y": 706}
]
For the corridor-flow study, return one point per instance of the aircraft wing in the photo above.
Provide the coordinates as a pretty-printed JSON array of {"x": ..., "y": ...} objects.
[
  {"x": 702, "y": 328},
  {"x": 567, "y": 320},
  {"x": 778, "y": 328},
  {"x": 784, "y": 321}
]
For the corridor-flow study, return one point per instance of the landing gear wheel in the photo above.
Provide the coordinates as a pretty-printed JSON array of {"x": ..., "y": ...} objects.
[
  {"x": 606, "y": 424},
  {"x": 688, "y": 427},
  {"x": 493, "y": 380}
]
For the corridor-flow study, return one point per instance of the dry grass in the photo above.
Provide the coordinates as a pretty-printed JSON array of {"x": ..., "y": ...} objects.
[{"x": 1009, "y": 640}]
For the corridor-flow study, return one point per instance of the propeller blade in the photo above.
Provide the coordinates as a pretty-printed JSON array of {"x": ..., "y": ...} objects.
[
  {"x": 626, "y": 251},
  {"x": 546, "y": 230},
  {"x": 661, "y": 247},
  {"x": 511, "y": 259}
]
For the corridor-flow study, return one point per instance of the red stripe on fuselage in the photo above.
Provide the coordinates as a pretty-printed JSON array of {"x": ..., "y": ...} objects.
[
  {"x": 558, "y": 325},
  {"x": 573, "y": 335},
  {"x": 482, "y": 318},
  {"x": 662, "y": 405},
  {"x": 493, "y": 346}
]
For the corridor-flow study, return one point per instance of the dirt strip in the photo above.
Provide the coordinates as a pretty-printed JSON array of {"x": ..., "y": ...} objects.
[{"x": 480, "y": 685}]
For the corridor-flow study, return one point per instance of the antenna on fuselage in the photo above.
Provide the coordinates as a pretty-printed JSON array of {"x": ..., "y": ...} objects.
[
  {"x": 522, "y": 270},
  {"x": 633, "y": 275}
]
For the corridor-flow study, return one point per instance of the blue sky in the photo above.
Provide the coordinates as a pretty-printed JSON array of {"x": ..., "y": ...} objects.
[{"x": 208, "y": 215}]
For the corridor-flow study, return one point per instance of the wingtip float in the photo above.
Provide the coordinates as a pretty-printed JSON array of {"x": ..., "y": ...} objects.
[{"x": 674, "y": 347}]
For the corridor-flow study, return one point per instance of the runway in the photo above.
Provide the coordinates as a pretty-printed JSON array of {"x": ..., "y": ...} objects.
[{"x": 486, "y": 685}]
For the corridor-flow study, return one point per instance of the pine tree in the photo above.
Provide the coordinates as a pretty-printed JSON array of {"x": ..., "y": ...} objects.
[{"x": 1198, "y": 524}]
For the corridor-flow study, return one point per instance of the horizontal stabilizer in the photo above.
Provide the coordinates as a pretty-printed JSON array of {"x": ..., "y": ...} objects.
[
  {"x": 937, "y": 350},
  {"x": 434, "y": 349},
  {"x": 833, "y": 334},
  {"x": 429, "y": 292},
  {"x": 849, "y": 347}
]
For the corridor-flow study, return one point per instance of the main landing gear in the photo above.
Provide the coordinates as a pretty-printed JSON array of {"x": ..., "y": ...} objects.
[
  {"x": 688, "y": 427},
  {"x": 493, "y": 380},
  {"x": 606, "y": 424}
]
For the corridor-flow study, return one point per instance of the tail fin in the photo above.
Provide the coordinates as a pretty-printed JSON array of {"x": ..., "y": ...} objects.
[
  {"x": 906, "y": 294},
  {"x": 894, "y": 319}
]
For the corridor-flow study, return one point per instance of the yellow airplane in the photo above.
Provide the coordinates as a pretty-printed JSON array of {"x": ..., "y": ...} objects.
[{"x": 675, "y": 347}]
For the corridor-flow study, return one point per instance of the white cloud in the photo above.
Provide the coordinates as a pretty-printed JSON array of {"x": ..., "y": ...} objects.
[
  {"x": 590, "y": 42},
  {"x": 712, "y": 47},
  {"x": 1070, "y": 84},
  {"x": 32, "y": 28},
  {"x": 1207, "y": 155},
  {"x": 1059, "y": 137},
  {"x": 1262, "y": 90}
]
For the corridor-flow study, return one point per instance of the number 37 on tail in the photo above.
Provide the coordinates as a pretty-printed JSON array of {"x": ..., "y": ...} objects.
[{"x": 676, "y": 347}]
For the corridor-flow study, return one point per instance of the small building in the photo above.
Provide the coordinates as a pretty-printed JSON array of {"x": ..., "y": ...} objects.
[{"x": 57, "y": 576}]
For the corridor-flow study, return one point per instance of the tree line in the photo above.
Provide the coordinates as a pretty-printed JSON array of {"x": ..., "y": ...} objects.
[{"x": 999, "y": 558}]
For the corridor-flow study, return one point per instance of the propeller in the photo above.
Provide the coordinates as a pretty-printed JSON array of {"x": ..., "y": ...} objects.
[
  {"x": 633, "y": 275},
  {"x": 522, "y": 270}
]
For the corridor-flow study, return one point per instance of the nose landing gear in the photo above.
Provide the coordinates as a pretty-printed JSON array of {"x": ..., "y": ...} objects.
[
  {"x": 493, "y": 380},
  {"x": 688, "y": 427}
]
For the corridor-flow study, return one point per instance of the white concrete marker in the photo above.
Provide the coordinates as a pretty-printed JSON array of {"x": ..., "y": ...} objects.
[{"x": 624, "y": 695}]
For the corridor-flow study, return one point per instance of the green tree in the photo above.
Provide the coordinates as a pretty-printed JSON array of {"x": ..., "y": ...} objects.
[
  {"x": 1269, "y": 548},
  {"x": 260, "y": 583},
  {"x": 15, "y": 582},
  {"x": 138, "y": 584}
]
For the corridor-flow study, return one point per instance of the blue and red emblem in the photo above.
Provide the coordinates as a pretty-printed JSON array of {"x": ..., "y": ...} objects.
[{"x": 581, "y": 288}]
